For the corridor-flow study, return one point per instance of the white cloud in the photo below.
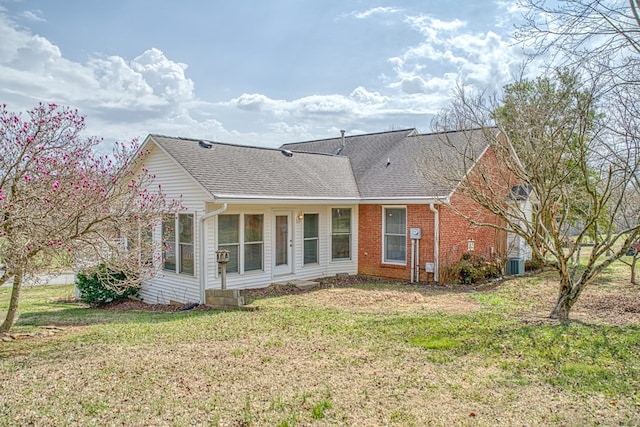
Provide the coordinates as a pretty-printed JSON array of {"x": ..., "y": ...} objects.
[
  {"x": 166, "y": 78},
  {"x": 449, "y": 54},
  {"x": 362, "y": 95},
  {"x": 375, "y": 11},
  {"x": 253, "y": 102},
  {"x": 33, "y": 15},
  {"x": 113, "y": 91},
  {"x": 413, "y": 85}
]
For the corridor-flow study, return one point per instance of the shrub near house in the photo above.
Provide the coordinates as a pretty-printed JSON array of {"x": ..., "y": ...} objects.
[{"x": 101, "y": 286}]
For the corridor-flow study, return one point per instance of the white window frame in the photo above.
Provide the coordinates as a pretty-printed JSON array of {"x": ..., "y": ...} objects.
[
  {"x": 385, "y": 234},
  {"x": 241, "y": 244},
  {"x": 176, "y": 244},
  {"x": 310, "y": 239},
  {"x": 350, "y": 234}
]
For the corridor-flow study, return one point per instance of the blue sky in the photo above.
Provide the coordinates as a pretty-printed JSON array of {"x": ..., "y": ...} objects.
[{"x": 252, "y": 72}]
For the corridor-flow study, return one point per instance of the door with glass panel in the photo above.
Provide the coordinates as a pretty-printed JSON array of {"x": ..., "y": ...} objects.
[{"x": 282, "y": 243}]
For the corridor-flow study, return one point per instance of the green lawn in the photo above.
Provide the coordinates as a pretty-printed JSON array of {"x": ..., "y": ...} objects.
[{"x": 366, "y": 355}]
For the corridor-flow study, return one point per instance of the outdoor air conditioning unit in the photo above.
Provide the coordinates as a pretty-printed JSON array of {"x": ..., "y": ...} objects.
[{"x": 515, "y": 266}]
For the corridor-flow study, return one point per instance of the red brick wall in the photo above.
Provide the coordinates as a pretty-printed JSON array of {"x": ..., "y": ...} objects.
[
  {"x": 370, "y": 241},
  {"x": 455, "y": 230},
  {"x": 454, "y": 234}
]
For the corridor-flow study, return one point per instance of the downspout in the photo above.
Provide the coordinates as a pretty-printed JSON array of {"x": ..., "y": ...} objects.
[
  {"x": 203, "y": 250},
  {"x": 436, "y": 241}
]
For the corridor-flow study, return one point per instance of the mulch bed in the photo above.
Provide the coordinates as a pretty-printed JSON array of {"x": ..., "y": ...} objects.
[{"x": 134, "y": 305}]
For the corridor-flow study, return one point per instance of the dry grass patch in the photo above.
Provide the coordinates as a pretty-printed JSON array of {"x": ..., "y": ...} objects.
[
  {"x": 607, "y": 302},
  {"x": 381, "y": 301}
]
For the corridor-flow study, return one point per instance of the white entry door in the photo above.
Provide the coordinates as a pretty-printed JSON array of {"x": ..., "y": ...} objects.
[{"x": 282, "y": 242}]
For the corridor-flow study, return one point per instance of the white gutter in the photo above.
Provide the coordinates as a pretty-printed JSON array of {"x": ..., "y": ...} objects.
[
  {"x": 203, "y": 250},
  {"x": 436, "y": 241},
  {"x": 261, "y": 199}
]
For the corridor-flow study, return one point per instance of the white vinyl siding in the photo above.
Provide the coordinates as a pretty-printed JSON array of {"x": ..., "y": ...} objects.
[{"x": 168, "y": 285}]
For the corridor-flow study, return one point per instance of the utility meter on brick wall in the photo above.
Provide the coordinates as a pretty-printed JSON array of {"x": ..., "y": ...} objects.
[{"x": 416, "y": 233}]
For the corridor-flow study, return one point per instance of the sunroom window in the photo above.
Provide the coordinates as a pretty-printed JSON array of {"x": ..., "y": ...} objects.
[
  {"x": 177, "y": 248},
  {"x": 311, "y": 232},
  {"x": 243, "y": 237},
  {"x": 340, "y": 233}
]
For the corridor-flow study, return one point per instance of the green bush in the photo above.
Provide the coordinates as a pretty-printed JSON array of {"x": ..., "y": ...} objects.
[
  {"x": 92, "y": 289},
  {"x": 471, "y": 269}
]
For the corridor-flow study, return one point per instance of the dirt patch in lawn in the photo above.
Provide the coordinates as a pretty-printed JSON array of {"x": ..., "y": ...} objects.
[
  {"x": 370, "y": 294},
  {"x": 616, "y": 303},
  {"x": 393, "y": 300}
]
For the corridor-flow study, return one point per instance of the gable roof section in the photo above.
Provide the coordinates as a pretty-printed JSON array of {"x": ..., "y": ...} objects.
[
  {"x": 401, "y": 164},
  {"x": 230, "y": 171}
]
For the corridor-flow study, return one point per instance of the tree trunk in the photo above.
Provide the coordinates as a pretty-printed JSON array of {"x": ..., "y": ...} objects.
[
  {"x": 633, "y": 269},
  {"x": 562, "y": 308},
  {"x": 13, "y": 304},
  {"x": 569, "y": 293},
  {"x": 568, "y": 296}
]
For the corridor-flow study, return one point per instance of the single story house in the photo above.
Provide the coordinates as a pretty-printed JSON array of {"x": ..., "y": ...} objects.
[{"x": 358, "y": 204}]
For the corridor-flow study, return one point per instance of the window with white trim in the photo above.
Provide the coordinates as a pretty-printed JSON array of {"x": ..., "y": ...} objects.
[
  {"x": 177, "y": 248},
  {"x": 169, "y": 242},
  {"x": 395, "y": 235},
  {"x": 186, "y": 264},
  {"x": 253, "y": 242},
  {"x": 243, "y": 237},
  {"x": 340, "y": 234},
  {"x": 311, "y": 232}
]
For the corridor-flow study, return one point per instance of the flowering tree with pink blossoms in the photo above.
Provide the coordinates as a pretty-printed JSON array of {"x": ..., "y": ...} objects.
[{"x": 62, "y": 199}]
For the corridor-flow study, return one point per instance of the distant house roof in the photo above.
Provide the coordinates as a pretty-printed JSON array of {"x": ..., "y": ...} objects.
[
  {"x": 395, "y": 165},
  {"x": 237, "y": 171},
  {"x": 401, "y": 164}
]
